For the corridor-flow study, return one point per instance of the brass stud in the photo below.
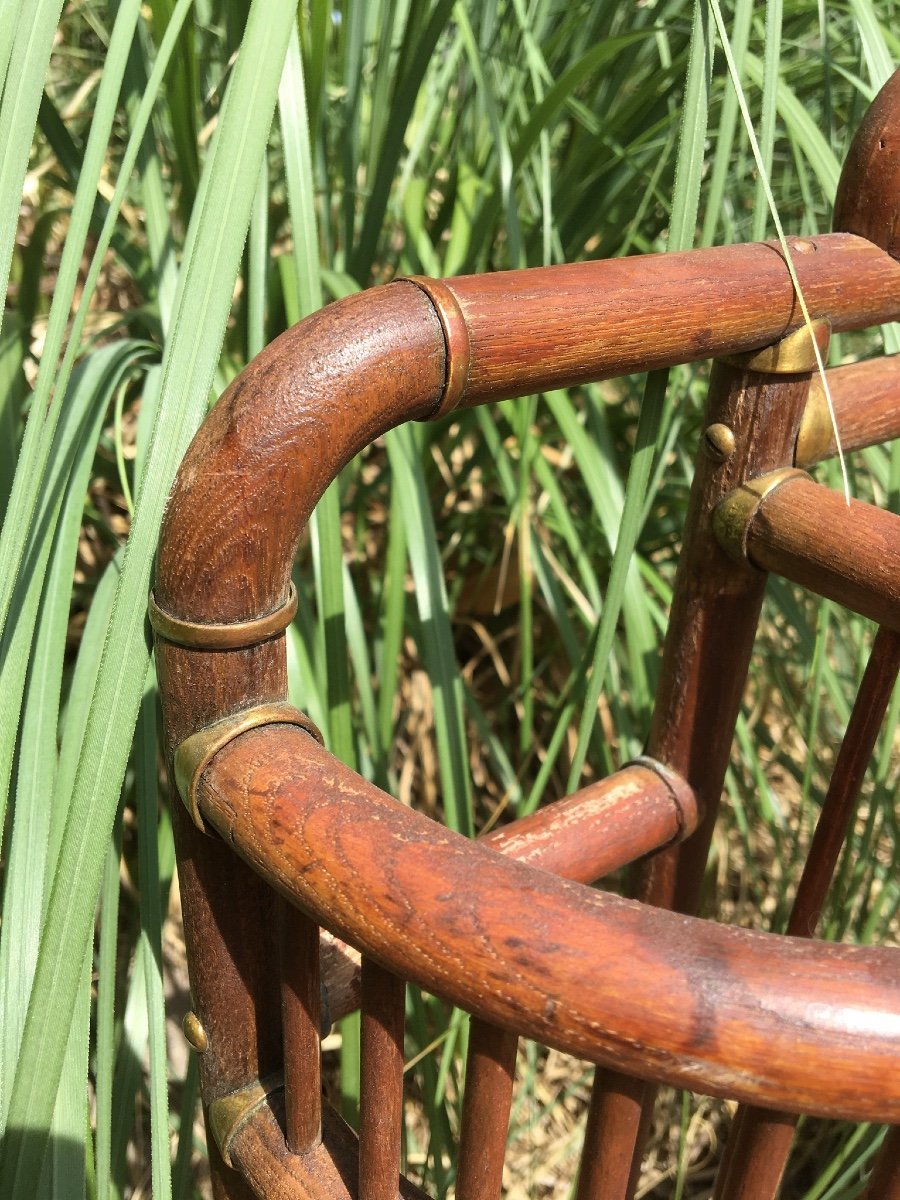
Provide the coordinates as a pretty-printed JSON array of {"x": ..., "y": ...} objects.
[
  {"x": 195, "y": 1033},
  {"x": 718, "y": 442}
]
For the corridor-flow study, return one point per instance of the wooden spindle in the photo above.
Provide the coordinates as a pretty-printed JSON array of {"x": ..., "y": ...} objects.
[
  {"x": 301, "y": 1029},
  {"x": 490, "y": 1070},
  {"x": 760, "y": 1142},
  {"x": 613, "y": 1135},
  {"x": 381, "y": 1082}
]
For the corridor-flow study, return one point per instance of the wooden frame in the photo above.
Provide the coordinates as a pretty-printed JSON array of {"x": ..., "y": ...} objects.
[{"x": 283, "y": 838}]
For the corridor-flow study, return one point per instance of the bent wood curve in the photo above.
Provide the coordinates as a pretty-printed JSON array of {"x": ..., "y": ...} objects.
[
  {"x": 332, "y": 384},
  {"x": 696, "y": 1004}
]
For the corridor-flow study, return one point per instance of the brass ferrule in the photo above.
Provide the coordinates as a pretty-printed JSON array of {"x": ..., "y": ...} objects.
[
  {"x": 794, "y": 354},
  {"x": 196, "y": 752},
  {"x": 457, "y": 347},
  {"x": 815, "y": 439},
  {"x": 235, "y": 635},
  {"x": 733, "y": 515},
  {"x": 228, "y": 1114}
]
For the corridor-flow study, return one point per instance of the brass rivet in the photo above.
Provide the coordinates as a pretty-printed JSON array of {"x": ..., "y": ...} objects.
[
  {"x": 718, "y": 442},
  {"x": 803, "y": 246},
  {"x": 195, "y": 1033}
]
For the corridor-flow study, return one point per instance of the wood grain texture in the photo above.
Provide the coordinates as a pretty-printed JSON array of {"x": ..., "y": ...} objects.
[
  {"x": 490, "y": 1072},
  {"x": 329, "y": 1172},
  {"x": 866, "y": 399},
  {"x": 868, "y": 195},
  {"x": 848, "y": 553},
  {"x": 300, "y": 1019},
  {"x": 706, "y": 654},
  {"x": 381, "y": 1082},
  {"x": 699, "y": 1005},
  {"x": 614, "y": 1132},
  {"x": 604, "y": 826},
  {"x": 272, "y": 445},
  {"x": 594, "y": 320}
]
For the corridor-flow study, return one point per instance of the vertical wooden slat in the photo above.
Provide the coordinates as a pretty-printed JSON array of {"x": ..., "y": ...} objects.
[
  {"x": 614, "y": 1126},
  {"x": 490, "y": 1071},
  {"x": 381, "y": 1082},
  {"x": 760, "y": 1142},
  {"x": 300, "y": 999},
  {"x": 885, "y": 1181},
  {"x": 707, "y": 651}
]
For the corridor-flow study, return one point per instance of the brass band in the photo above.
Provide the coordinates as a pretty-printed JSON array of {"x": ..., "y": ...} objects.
[
  {"x": 235, "y": 635},
  {"x": 456, "y": 340},
  {"x": 227, "y": 1114},
  {"x": 794, "y": 354},
  {"x": 196, "y": 752},
  {"x": 733, "y": 515}
]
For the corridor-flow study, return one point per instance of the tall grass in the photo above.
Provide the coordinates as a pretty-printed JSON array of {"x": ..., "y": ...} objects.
[{"x": 482, "y": 600}]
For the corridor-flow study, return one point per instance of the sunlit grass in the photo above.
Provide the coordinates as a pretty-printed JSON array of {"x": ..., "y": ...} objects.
[{"x": 493, "y": 588}]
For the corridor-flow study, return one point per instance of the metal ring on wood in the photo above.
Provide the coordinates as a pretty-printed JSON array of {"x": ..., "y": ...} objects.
[
  {"x": 456, "y": 339},
  {"x": 234, "y": 635},
  {"x": 196, "y": 752},
  {"x": 733, "y": 515},
  {"x": 794, "y": 354},
  {"x": 227, "y": 1114}
]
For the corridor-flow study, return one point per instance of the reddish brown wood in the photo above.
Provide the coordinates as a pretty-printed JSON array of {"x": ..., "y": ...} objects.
[
  {"x": 759, "y": 1143},
  {"x": 866, "y": 200},
  {"x": 286, "y": 424},
  {"x": 610, "y": 1161},
  {"x": 695, "y": 1004},
  {"x": 490, "y": 1070},
  {"x": 604, "y": 826},
  {"x": 341, "y": 974},
  {"x": 849, "y": 553},
  {"x": 301, "y": 1024},
  {"x": 866, "y": 400},
  {"x": 328, "y": 1172},
  {"x": 885, "y": 1181},
  {"x": 284, "y": 429},
  {"x": 381, "y": 1082},
  {"x": 594, "y": 320},
  {"x": 707, "y": 650}
]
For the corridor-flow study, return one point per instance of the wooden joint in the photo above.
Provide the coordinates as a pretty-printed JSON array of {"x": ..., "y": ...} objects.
[
  {"x": 236, "y": 635},
  {"x": 196, "y": 752},
  {"x": 228, "y": 1114},
  {"x": 794, "y": 354},
  {"x": 457, "y": 345},
  {"x": 733, "y": 516}
]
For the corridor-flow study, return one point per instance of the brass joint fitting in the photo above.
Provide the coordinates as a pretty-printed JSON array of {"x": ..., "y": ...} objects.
[
  {"x": 794, "y": 354},
  {"x": 733, "y": 515},
  {"x": 228, "y": 1114},
  {"x": 196, "y": 752},
  {"x": 235, "y": 635},
  {"x": 457, "y": 348}
]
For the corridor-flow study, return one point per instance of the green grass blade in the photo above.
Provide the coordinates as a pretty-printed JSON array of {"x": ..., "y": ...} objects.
[
  {"x": 682, "y": 229},
  {"x": 434, "y": 622},
  {"x": 212, "y": 256},
  {"x": 151, "y": 938},
  {"x": 39, "y": 433}
]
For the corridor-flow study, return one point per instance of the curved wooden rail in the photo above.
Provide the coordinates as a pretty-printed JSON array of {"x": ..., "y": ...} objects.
[
  {"x": 699, "y": 1005},
  {"x": 647, "y": 991},
  {"x": 329, "y": 386}
]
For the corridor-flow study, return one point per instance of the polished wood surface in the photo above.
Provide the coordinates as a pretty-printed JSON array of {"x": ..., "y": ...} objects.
[
  {"x": 590, "y": 973},
  {"x": 650, "y": 994},
  {"x": 848, "y": 552}
]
